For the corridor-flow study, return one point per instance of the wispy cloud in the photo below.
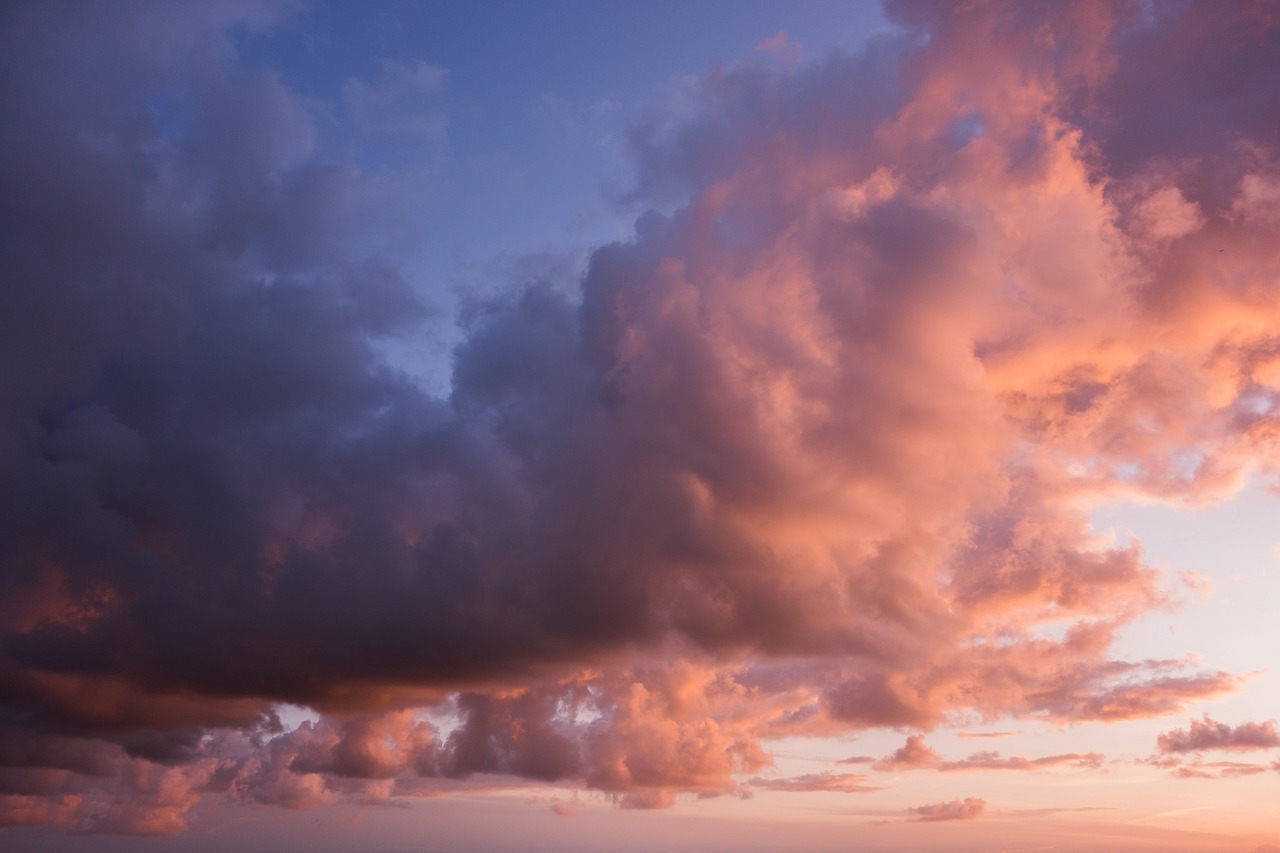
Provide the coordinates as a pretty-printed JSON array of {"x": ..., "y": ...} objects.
[
  {"x": 914, "y": 754},
  {"x": 844, "y": 783}
]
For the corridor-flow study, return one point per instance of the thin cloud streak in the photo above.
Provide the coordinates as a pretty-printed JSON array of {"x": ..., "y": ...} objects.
[
  {"x": 843, "y": 783},
  {"x": 915, "y": 755}
]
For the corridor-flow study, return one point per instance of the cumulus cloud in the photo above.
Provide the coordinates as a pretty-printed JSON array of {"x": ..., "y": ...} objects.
[
  {"x": 805, "y": 455},
  {"x": 1208, "y": 734},
  {"x": 970, "y": 808},
  {"x": 914, "y": 753}
]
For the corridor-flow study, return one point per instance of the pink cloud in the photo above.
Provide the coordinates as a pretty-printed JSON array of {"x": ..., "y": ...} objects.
[
  {"x": 970, "y": 808},
  {"x": 1216, "y": 770},
  {"x": 993, "y": 761},
  {"x": 914, "y": 754},
  {"x": 784, "y": 49},
  {"x": 843, "y": 783},
  {"x": 1208, "y": 734},
  {"x": 1198, "y": 768}
]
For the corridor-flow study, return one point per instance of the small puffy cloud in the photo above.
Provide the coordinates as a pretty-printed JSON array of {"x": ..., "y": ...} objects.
[
  {"x": 783, "y": 49},
  {"x": 912, "y": 754},
  {"x": 1166, "y": 214},
  {"x": 970, "y": 808},
  {"x": 1209, "y": 734}
]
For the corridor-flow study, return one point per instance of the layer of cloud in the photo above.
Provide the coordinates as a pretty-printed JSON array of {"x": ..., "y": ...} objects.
[
  {"x": 809, "y": 454},
  {"x": 1216, "y": 770},
  {"x": 843, "y": 783},
  {"x": 915, "y": 755}
]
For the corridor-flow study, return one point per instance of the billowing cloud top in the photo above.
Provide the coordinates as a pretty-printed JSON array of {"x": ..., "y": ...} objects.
[{"x": 811, "y": 453}]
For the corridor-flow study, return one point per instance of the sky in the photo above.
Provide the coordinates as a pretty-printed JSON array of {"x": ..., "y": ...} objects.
[{"x": 656, "y": 426}]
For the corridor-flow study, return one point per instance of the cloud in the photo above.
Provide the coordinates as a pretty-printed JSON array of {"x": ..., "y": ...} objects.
[
  {"x": 1197, "y": 768},
  {"x": 1213, "y": 735},
  {"x": 993, "y": 761},
  {"x": 970, "y": 808},
  {"x": 805, "y": 455},
  {"x": 1216, "y": 770},
  {"x": 910, "y": 755},
  {"x": 843, "y": 783},
  {"x": 914, "y": 754},
  {"x": 786, "y": 51},
  {"x": 404, "y": 99}
]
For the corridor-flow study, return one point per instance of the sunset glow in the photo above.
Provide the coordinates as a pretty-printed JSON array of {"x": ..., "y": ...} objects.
[{"x": 586, "y": 426}]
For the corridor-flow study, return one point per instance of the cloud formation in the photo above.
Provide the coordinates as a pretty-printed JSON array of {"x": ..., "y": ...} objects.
[
  {"x": 1216, "y": 770},
  {"x": 809, "y": 454},
  {"x": 970, "y": 808},
  {"x": 1208, "y": 734},
  {"x": 915, "y": 754},
  {"x": 843, "y": 783}
]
